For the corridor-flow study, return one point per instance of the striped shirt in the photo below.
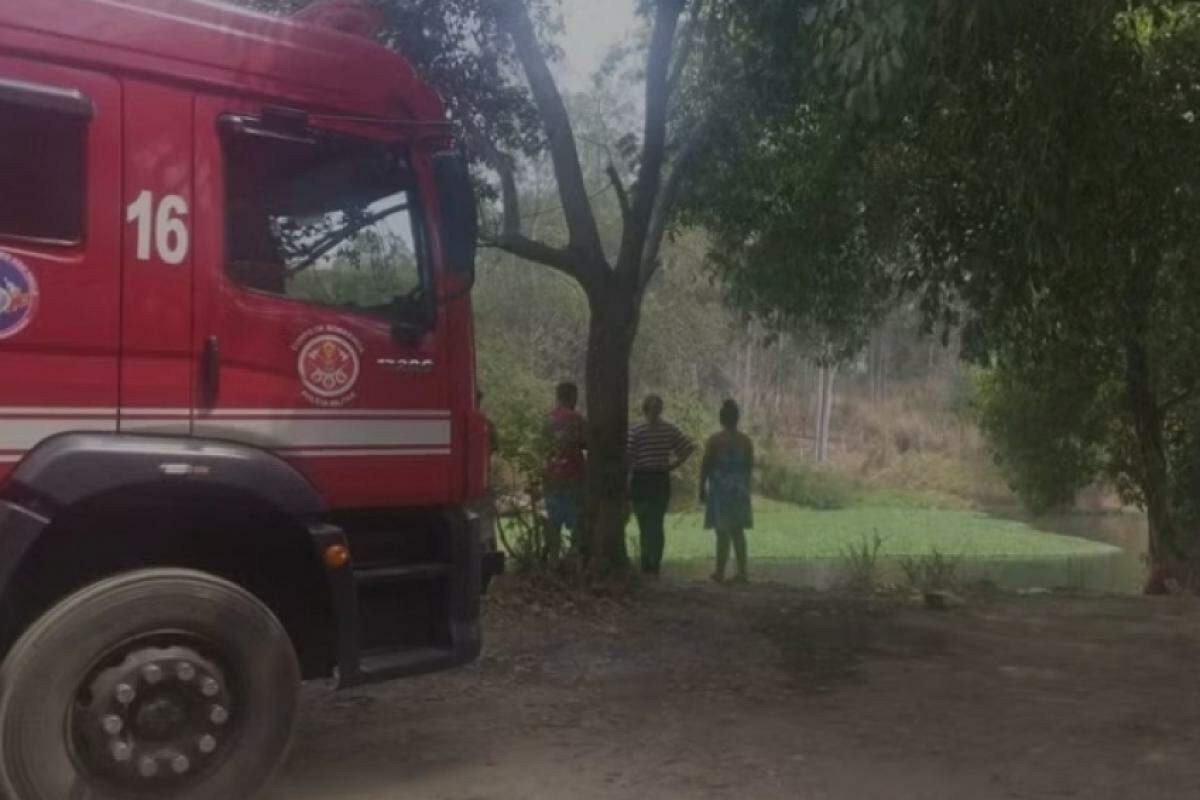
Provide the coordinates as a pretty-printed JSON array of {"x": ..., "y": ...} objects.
[{"x": 649, "y": 448}]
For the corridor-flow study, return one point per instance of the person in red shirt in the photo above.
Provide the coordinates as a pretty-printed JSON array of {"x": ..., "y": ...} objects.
[{"x": 566, "y": 468}]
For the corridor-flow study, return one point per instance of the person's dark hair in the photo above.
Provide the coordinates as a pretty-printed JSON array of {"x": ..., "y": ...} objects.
[
  {"x": 567, "y": 394},
  {"x": 652, "y": 400},
  {"x": 730, "y": 414}
]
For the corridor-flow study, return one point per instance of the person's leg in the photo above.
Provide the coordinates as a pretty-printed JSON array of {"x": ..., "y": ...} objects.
[
  {"x": 662, "y": 498},
  {"x": 722, "y": 554},
  {"x": 579, "y": 533},
  {"x": 573, "y": 518},
  {"x": 642, "y": 512},
  {"x": 557, "y": 517},
  {"x": 738, "y": 535},
  {"x": 553, "y": 540},
  {"x": 650, "y": 537}
]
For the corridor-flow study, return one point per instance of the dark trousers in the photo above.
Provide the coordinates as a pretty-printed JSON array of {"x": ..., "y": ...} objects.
[{"x": 650, "y": 492}]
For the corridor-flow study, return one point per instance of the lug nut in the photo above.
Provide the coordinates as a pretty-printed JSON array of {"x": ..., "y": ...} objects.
[
  {"x": 209, "y": 687},
  {"x": 180, "y": 764},
  {"x": 218, "y": 715},
  {"x": 207, "y": 744},
  {"x": 112, "y": 724},
  {"x": 125, "y": 693},
  {"x": 152, "y": 673},
  {"x": 185, "y": 671},
  {"x": 121, "y": 751},
  {"x": 148, "y": 767}
]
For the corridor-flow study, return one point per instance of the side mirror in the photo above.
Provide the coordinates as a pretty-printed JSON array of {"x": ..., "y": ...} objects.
[{"x": 459, "y": 221}]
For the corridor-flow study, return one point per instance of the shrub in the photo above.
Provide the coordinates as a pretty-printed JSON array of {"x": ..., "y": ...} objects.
[
  {"x": 930, "y": 572},
  {"x": 860, "y": 564},
  {"x": 522, "y": 535},
  {"x": 811, "y": 488}
]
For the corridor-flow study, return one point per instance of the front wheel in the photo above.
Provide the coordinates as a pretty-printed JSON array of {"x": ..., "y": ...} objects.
[{"x": 160, "y": 683}]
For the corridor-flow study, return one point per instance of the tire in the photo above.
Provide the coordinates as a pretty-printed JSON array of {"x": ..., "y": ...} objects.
[{"x": 42, "y": 676}]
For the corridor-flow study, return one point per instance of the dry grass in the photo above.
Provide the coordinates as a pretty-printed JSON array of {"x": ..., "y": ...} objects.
[{"x": 914, "y": 443}]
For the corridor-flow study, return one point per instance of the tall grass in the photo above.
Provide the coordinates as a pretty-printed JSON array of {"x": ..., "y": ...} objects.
[
  {"x": 804, "y": 486},
  {"x": 860, "y": 564},
  {"x": 933, "y": 571}
]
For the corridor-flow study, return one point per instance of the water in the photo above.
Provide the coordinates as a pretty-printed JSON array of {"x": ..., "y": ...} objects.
[{"x": 1122, "y": 571}]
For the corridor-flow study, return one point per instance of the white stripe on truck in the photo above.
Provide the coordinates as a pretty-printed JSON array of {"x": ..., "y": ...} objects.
[{"x": 302, "y": 433}]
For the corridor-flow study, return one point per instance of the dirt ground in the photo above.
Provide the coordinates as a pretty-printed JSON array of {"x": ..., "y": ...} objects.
[{"x": 700, "y": 691}]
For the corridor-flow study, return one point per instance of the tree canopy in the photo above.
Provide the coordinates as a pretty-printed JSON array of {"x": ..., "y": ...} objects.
[{"x": 1026, "y": 169}]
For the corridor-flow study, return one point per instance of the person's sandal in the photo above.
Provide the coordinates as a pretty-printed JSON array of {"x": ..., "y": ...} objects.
[{"x": 715, "y": 578}]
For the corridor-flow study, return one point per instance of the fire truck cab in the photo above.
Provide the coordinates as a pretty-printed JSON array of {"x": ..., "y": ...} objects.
[{"x": 238, "y": 434}]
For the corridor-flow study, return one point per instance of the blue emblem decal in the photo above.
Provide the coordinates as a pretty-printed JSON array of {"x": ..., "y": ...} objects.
[{"x": 18, "y": 296}]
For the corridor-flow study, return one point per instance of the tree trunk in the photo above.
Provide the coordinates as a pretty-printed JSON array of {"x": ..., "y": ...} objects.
[
  {"x": 875, "y": 366},
  {"x": 883, "y": 366},
  {"x": 611, "y": 333},
  {"x": 824, "y": 412},
  {"x": 1166, "y": 554},
  {"x": 819, "y": 416},
  {"x": 827, "y": 412}
]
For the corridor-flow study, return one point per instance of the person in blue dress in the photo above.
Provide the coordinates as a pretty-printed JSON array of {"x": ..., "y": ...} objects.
[{"x": 725, "y": 490}]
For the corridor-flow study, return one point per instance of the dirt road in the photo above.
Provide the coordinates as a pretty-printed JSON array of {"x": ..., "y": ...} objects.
[{"x": 696, "y": 691}]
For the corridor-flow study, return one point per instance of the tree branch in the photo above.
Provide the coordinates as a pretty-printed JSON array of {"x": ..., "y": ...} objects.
[
  {"x": 654, "y": 147},
  {"x": 523, "y": 247},
  {"x": 614, "y": 176},
  {"x": 582, "y": 230},
  {"x": 664, "y": 205},
  {"x": 619, "y": 187},
  {"x": 689, "y": 38},
  {"x": 511, "y": 240}
]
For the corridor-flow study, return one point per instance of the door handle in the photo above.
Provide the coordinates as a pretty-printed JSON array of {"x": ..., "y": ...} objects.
[
  {"x": 210, "y": 373},
  {"x": 406, "y": 364}
]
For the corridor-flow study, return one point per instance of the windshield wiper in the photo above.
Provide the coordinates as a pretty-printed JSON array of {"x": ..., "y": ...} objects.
[{"x": 337, "y": 237}]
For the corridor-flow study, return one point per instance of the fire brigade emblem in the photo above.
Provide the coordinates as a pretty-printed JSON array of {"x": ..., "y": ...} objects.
[
  {"x": 18, "y": 296},
  {"x": 328, "y": 366}
]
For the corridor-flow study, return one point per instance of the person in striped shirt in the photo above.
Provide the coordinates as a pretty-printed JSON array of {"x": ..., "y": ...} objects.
[{"x": 654, "y": 450}]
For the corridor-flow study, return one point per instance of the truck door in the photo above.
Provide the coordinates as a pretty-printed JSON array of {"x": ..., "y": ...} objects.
[
  {"x": 157, "y": 373},
  {"x": 60, "y": 195},
  {"x": 316, "y": 333}
]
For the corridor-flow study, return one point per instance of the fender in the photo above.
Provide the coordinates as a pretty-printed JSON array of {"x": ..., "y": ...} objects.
[{"x": 66, "y": 469}]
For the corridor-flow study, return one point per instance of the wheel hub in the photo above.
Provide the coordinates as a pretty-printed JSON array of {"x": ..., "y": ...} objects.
[
  {"x": 160, "y": 718},
  {"x": 152, "y": 716}
]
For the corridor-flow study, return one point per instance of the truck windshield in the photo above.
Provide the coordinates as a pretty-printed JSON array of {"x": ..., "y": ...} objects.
[{"x": 330, "y": 220}]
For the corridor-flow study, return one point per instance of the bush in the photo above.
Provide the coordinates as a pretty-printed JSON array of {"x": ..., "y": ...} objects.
[
  {"x": 811, "y": 488},
  {"x": 931, "y": 572},
  {"x": 523, "y": 536},
  {"x": 860, "y": 564}
]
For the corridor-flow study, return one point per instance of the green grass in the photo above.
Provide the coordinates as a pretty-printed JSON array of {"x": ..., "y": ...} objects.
[{"x": 785, "y": 531}]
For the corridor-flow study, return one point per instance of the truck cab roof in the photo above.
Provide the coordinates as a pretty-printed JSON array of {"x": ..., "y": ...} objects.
[{"x": 222, "y": 48}]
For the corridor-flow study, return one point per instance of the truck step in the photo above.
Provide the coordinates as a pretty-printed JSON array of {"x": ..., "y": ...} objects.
[
  {"x": 406, "y": 662},
  {"x": 373, "y": 574}
]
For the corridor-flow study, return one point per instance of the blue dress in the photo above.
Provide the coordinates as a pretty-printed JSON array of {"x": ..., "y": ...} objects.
[{"x": 731, "y": 462}]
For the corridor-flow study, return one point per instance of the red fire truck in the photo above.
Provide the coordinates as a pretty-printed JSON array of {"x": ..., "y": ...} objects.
[{"x": 238, "y": 433}]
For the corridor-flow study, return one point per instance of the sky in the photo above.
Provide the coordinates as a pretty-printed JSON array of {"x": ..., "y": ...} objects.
[{"x": 592, "y": 27}]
